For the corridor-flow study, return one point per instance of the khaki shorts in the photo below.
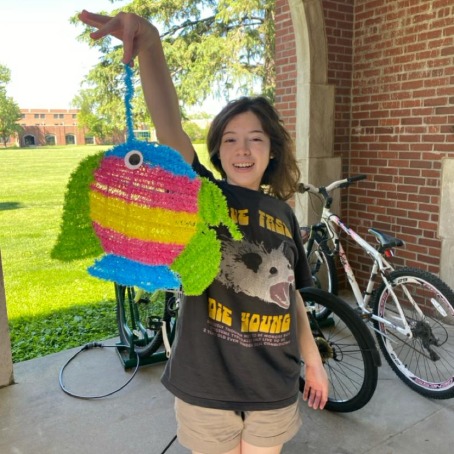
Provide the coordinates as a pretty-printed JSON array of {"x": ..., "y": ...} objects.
[{"x": 213, "y": 431}]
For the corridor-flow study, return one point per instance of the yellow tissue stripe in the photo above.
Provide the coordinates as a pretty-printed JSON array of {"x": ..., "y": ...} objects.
[{"x": 144, "y": 223}]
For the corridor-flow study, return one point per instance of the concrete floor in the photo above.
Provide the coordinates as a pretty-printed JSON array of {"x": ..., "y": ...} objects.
[{"x": 37, "y": 417}]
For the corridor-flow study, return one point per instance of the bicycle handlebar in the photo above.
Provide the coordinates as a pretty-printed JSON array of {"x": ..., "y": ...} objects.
[
  {"x": 357, "y": 178},
  {"x": 307, "y": 187}
]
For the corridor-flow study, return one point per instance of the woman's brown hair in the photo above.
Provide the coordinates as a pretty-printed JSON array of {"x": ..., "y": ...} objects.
[{"x": 282, "y": 174}]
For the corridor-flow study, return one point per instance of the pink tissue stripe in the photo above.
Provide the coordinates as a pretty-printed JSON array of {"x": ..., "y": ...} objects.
[
  {"x": 146, "y": 186},
  {"x": 147, "y": 252}
]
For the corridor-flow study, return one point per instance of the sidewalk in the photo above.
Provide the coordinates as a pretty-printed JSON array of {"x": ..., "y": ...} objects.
[{"x": 37, "y": 417}]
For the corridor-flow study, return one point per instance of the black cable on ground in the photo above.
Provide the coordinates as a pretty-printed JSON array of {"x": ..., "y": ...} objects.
[
  {"x": 86, "y": 347},
  {"x": 169, "y": 445}
]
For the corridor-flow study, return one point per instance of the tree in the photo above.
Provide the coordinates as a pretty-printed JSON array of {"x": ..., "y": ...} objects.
[
  {"x": 5, "y": 77},
  {"x": 10, "y": 112},
  {"x": 101, "y": 104},
  {"x": 196, "y": 133},
  {"x": 212, "y": 48}
]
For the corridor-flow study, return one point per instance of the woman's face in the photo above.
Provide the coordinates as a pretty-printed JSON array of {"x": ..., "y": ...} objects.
[{"x": 244, "y": 151}]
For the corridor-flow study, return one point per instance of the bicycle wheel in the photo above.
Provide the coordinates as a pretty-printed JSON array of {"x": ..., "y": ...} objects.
[
  {"x": 348, "y": 351},
  {"x": 324, "y": 273},
  {"x": 140, "y": 318},
  {"x": 425, "y": 361}
]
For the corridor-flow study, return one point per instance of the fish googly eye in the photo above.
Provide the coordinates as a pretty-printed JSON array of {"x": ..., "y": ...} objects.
[{"x": 133, "y": 159}]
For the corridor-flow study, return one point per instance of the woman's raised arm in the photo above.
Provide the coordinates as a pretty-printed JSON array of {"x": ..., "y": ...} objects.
[{"x": 141, "y": 39}]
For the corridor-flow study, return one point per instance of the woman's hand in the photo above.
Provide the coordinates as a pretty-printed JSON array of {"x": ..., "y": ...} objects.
[
  {"x": 138, "y": 35},
  {"x": 316, "y": 387}
]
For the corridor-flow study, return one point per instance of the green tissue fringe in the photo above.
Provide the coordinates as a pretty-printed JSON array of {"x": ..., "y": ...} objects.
[
  {"x": 77, "y": 239},
  {"x": 213, "y": 208},
  {"x": 198, "y": 264}
]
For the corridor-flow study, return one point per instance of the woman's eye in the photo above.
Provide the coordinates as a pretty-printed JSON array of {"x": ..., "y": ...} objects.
[{"x": 133, "y": 159}]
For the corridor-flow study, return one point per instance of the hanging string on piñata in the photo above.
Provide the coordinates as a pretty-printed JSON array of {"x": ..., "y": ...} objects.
[{"x": 153, "y": 216}]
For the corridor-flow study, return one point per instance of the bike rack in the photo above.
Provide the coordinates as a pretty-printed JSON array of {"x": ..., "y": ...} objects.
[{"x": 129, "y": 357}]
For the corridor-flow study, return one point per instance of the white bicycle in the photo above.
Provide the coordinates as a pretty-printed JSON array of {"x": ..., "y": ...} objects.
[{"x": 410, "y": 310}]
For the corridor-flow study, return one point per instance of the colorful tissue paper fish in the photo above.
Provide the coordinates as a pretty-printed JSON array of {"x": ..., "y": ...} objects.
[
  {"x": 150, "y": 213},
  {"x": 153, "y": 216}
]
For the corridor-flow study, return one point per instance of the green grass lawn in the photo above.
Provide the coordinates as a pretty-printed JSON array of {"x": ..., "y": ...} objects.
[{"x": 51, "y": 305}]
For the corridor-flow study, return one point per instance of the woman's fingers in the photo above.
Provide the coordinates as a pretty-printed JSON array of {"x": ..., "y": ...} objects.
[
  {"x": 106, "y": 25},
  {"x": 316, "y": 398},
  {"x": 92, "y": 19},
  {"x": 119, "y": 27}
]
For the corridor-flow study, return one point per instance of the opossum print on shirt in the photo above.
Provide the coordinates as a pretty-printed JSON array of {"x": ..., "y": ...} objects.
[{"x": 251, "y": 269}]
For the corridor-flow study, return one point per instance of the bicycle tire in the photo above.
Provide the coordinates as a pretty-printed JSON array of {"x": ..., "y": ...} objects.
[
  {"x": 348, "y": 351},
  {"x": 424, "y": 362},
  {"x": 323, "y": 271},
  {"x": 140, "y": 322}
]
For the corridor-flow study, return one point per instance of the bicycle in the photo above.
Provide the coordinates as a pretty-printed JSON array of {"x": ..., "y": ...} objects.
[
  {"x": 146, "y": 321},
  {"x": 411, "y": 311}
]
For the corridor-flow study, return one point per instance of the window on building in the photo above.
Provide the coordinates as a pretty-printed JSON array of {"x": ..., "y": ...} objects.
[
  {"x": 70, "y": 139},
  {"x": 50, "y": 139},
  {"x": 142, "y": 135},
  {"x": 89, "y": 140},
  {"x": 29, "y": 141}
]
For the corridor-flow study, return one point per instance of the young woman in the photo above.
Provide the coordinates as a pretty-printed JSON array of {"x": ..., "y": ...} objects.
[{"x": 235, "y": 364}]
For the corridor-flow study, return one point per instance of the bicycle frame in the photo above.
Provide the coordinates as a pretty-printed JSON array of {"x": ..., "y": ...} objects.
[{"x": 380, "y": 266}]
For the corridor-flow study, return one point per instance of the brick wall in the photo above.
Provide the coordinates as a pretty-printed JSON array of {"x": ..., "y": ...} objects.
[
  {"x": 402, "y": 120},
  {"x": 285, "y": 62},
  {"x": 392, "y": 65},
  {"x": 339, "y": 32}
]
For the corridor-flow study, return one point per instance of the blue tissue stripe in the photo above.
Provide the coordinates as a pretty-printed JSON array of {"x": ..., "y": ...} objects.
[
  {"x": 126, "y": 272},
  {"x": 155, "y": 155}
]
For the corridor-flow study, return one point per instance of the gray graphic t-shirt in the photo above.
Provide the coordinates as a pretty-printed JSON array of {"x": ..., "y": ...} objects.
[{"x": 236, "y": 345}]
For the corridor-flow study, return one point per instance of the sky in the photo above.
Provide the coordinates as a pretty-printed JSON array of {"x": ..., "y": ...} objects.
[{"x": 40, "y": 47}]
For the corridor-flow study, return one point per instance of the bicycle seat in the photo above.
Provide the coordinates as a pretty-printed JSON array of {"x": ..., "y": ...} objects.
[{"x": 386, "y": 241}]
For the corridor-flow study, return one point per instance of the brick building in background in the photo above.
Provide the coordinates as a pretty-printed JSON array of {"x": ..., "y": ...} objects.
[
  {"x": 51, "y": 127},
  {"x": 367, "y": 86}
]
